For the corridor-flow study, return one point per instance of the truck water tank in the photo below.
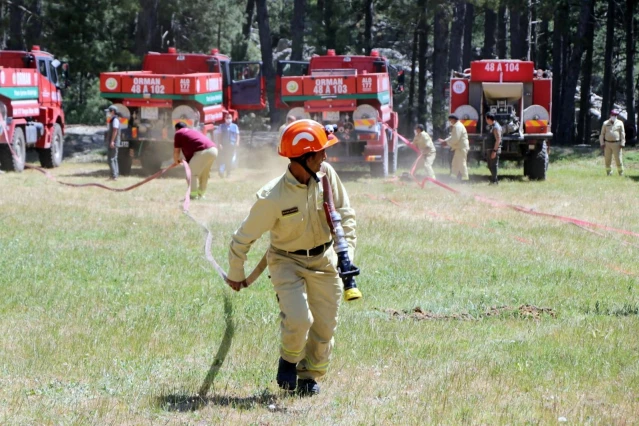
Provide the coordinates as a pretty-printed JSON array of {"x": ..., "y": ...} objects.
[{"x": 186, "y": 114}]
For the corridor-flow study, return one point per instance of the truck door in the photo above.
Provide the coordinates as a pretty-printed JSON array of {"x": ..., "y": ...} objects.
[
  {"x": 48, "y": 90},
  {"x": 248, "y": 88},
  {"x": 222, "y": 67},
  {"x": 54, "y": 78},
  {"x": 287, "y": 69}
]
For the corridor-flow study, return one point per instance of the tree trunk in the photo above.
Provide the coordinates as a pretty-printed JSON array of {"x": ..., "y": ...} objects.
[
  {"x": 558, "y": 39},
  {"x": 533, "y": 31},
  {"x": 565, "y": 130},
  {"x": 440, "y": 68},
  {"x": 267, "y": 56},
  {"x": 16, "y": 35},
  {"x": 411, "y": 89},
  {"x": 490, "y": 24},
  {"x": 456, "y": 38},
  {"x": 501, "y": 32},
  {"x": 147, "y": 37},
  {"x": 297, "y": 30},
  {"x": 469, "y": 20},
  {"x": 248, "y": 16},
  {"x": 330, "y": 26},
  {"x": 630, "y": 52},
  {"x": 368, "y": 29},
  {"x": 515, "y": 33},
  {"x": 34, "y": 23},
  {"x": 4, "y": 12},
  {"x": 524, "y": 20},
  {"x": 608, "y": 101},
  {"x": 583, "y": 124},
  {"x": 422, "y": 49},
  {"x": 240, "y": 50},
  {"x": 542, "y": 47}
]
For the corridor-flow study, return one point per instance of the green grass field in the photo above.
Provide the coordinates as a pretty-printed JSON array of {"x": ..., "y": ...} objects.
[{"x": 109, "y": 313}]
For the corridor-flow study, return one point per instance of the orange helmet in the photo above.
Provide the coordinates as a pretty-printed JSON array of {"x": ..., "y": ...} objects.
[{"x": 302, "y": 137}]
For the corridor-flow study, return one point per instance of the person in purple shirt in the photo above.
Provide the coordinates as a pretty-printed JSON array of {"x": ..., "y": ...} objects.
[{"x": 199, "y": 151}]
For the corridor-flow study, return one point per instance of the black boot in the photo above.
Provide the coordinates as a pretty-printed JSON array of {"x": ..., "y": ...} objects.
[
  {"x": 307, "y": 387},
  {"x": 287, "y": 375}
]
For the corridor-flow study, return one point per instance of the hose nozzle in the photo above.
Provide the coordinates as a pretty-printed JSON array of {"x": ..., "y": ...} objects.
[{"x": 352, "y": 294}]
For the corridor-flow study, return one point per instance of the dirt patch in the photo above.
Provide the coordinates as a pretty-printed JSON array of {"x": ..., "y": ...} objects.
[{"x": 523, "y": 311}]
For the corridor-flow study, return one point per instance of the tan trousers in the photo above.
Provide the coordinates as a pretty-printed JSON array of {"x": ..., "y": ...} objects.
[
  {"x": 613, "y": 150},
  {"x": 459, "y": 164},
  {"x": 426, "y": 161},
  {"x": 201, "y": 169},
  {"x": 309, "y": 291}
]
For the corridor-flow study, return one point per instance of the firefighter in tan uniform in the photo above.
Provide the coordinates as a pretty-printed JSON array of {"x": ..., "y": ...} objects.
[
  {"x": 458, "y": 143},
  {"x": 612, "y": 139},
  {"x": 426, "y": 147},
  {"x": 301, "y": 260}
]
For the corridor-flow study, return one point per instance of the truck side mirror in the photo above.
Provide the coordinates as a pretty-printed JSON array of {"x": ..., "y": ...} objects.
[{"x": 65, "y": 75}]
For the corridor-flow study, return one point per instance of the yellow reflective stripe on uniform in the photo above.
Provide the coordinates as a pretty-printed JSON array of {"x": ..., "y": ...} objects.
[
  {"x": 318, "y": 367},
  {"x": 292, "y": 353}
]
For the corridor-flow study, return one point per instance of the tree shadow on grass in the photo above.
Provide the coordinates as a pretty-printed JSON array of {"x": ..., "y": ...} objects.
[{"x": 183, "y": 402}]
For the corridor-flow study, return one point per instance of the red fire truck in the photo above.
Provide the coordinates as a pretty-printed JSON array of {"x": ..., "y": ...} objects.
[
  {"x": 520, "y": 97},
  {"x": 352, "y": 93},
  {"x": 197, "y": 89},
  {"x": 31, "y": 107}
]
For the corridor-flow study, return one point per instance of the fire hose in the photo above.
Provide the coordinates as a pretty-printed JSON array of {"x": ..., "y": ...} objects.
[
  {"x": 494, "y": 203},
  {"x": 185, "y": 207},
  {"x": 261, "y": 266},
  {"x": 347, "y": 271}
]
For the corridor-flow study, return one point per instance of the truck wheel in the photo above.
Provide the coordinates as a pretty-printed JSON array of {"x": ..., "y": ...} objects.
[
  {"x": 151, "y": 161},
  {"x": 392, "y": 155},
  {"x": 381, "y": 169},
  {"x": 124, "y": 161},
  {"x": 52, "y": 157},
  {"x": 527, "y": 162},
  {"x": 8, "y": 162},
  {"x": 539, "y": 164}
]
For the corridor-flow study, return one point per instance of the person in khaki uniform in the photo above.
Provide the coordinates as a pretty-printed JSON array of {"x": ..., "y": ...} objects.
[
  {"x": 426, "y": 147},
  {"x": 458, "y": 143},
  {"x": 199, "y": 151},
  {"x": 301, "y": 259},
  {"x": 612, "y": 139}
]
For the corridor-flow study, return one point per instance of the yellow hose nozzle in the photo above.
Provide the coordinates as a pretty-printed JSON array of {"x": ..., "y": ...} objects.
[{"x": 352, "y": 294}]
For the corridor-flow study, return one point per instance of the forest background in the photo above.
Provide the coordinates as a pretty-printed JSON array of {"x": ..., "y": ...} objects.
[{"x": 589, "y": 45}]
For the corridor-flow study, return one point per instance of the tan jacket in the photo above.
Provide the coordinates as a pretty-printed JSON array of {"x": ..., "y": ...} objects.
[
  {"x": 425, "y": 144},
  {"x": 612, "y": 132},
  {"x": 294, "y": 215},
  {"x": 458, "y": 138}
]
